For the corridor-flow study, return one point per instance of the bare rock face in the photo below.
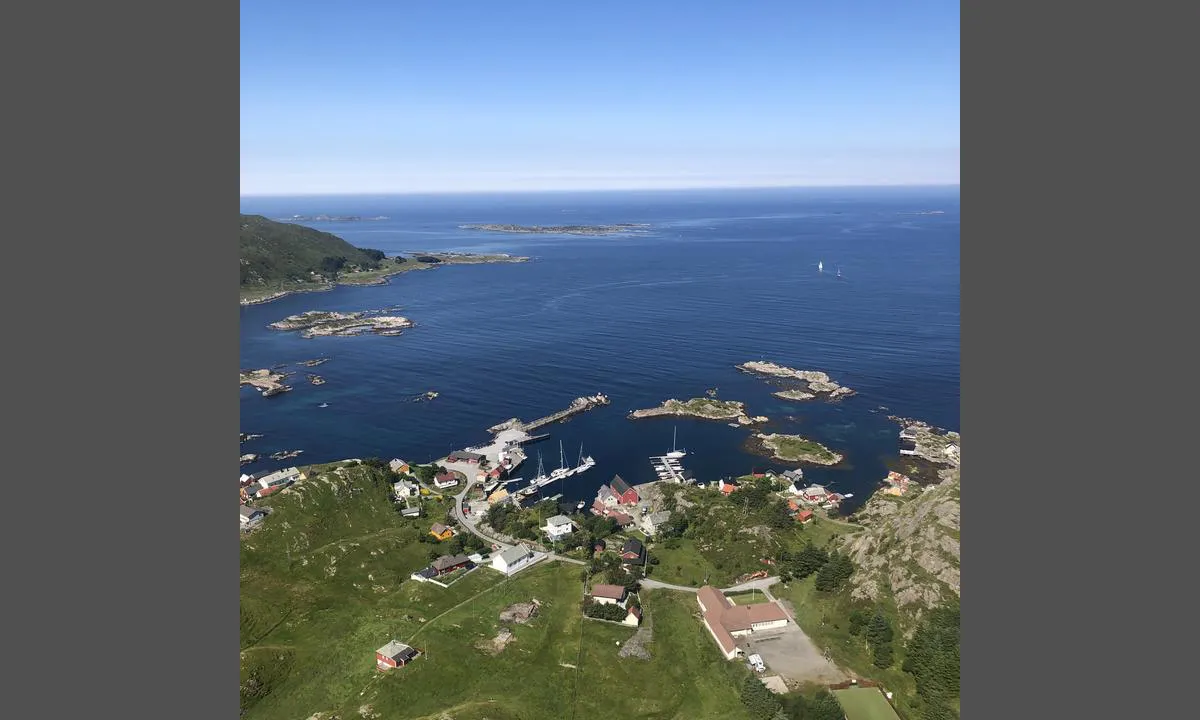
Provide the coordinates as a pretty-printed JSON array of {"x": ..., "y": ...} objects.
[{"x": 910, "y": 549}]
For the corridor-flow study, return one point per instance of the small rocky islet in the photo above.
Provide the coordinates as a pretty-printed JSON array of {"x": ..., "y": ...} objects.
[
  {"x": 706, "y": 408},
  {"x": 322, "y": 323},
  {"x": 793, "y": 448},
  {"x": 816, "y": 382}
]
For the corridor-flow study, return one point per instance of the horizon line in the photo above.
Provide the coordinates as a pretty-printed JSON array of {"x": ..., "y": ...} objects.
[{"x": 543, "y": 191}]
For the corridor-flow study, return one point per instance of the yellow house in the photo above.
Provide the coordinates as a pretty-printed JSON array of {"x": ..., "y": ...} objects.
[
  {"x": 441, "y": 532},
  {"x": 497, "y": 496}
]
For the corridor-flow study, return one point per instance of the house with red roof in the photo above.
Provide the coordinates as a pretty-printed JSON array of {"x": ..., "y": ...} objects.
[{"x": 625, "y": 494}]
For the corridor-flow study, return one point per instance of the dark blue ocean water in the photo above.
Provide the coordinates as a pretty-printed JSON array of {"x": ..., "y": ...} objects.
[{"x": 721, "y": 277}]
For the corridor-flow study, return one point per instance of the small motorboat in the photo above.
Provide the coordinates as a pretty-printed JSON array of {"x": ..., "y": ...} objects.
[{"x": 323, "y": 405}]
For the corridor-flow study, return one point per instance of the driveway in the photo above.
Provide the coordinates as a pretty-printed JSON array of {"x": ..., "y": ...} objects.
[{"x": 788, "y": 652}]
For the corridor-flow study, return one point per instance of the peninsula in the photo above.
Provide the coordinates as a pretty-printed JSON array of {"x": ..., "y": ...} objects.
[
  {"x": 920, "y": 439},
  {"x": 815, "y": 382},
  {"x": 793, "y": 448},
  {"x": 704, "y": 408},
  {"x": 560, "y": 229},
  {"x": 278, "y": 259},
  {"x": 319, "y": 323}
]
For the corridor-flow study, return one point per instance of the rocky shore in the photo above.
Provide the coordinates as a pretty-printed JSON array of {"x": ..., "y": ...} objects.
[
  {"x": 816, "y": 383},
  {"x": 318, "y": 323},
  {"x": 704, "y": 408},
  {"x": 559, "y": 229},
  {"x": 793, "y": 448},
  {"x": 920, "y": 439}
]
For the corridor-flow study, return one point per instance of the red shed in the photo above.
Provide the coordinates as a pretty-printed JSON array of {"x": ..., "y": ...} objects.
[
  {"x": 394, "y": 654},
  {"x": 625, "y": 494}
]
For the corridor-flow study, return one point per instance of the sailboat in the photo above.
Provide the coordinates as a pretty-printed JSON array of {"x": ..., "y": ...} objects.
[
  {"x": 675, "y": 453},
  {"x": 820, "y": 266},
  {"x": 585, "y": 462},
  {"x": 562, "y": 470},
  {"x": 839, "y": 272},
  {"x": 540, "y": 479}
]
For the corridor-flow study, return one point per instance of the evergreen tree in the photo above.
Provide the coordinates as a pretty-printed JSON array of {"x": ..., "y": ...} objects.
[
  {"x": 834, "y": 574},
  {"x": 883, "y": 655},
  {"x": 825, "y": 706},
  {"x": 758, "y": 699}
]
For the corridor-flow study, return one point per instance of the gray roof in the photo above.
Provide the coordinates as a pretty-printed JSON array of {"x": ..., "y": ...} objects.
[
  {"x": 248, "y": 512},
  {"x": 793, "y": 474},
  {"x": 659, "y": 517},
  {"x": 397, "y": 650},
  {"x": 411, "y": 512},
  {"x": 558, "y": 520},
  {"x": 449, "y": 561},
  {"x": 466, "y": 455},
  {"x": 513, "y": 554}
]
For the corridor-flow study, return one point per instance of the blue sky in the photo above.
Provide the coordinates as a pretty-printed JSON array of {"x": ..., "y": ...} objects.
[{"x": 428, "y": 96}]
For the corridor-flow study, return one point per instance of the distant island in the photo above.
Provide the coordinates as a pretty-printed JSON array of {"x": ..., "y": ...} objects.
[
  {"x": 560, "y": 229},
  {"x": 278, "y": 259},
  {"x": 331, "y": 218},
  {"x": 317, "y": 323}
]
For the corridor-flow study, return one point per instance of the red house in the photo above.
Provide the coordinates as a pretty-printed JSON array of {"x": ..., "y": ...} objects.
[
  {"x": 804, "y": 516},
  {"x": 625, "y": 494},
  {"x": 394, "y": 654}
]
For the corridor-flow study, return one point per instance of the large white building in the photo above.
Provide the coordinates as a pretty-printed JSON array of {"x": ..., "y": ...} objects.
[{"x": 513, "y": 559}]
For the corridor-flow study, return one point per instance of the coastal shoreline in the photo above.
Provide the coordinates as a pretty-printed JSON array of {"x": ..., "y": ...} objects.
[{"x": 383, "y": 277}]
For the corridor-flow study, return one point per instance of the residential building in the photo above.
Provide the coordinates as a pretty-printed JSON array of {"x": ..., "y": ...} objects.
[
  {"x": 908, "y": 447},
  {"x": 625, "y": 494},
  {"x": 726, "y": 621},
  {"x": 394, "y": 654},
  {"x": 804, "y": 516},
  {"x": 726, "y": 486},
  {"x": 499, "y": 495},
  {"x": 406, "y": 488},
  {"x": 414, "y": 511},
  {"x": 633, "y": 552},
  {"x": 513, "y": 559},
  {"x": 450, "y": 563},
  {"x": 653, "y": 521},
  {"x": 608, "y": 594},
  {"x": 251, "y": 515},
  {"x": 463, "y": 456},
  {"x": 558, "y": 527},
  {"x": 633, "y": 617},
  {"x": 399, "y": 466},
  {"x": 621, "y": 518},
  {"x": 441, "y": 532},
  {"x": 280, "y": 477},
  {"x": 445, "y": 480},
  {"x": 606, "y": 498},
  {"x": 816, "y": 493}
]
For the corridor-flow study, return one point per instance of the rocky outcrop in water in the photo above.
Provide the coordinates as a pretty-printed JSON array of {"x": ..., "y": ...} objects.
[
  {"x": 319, "y": 323},
  {"x": 815, "y": 382}
]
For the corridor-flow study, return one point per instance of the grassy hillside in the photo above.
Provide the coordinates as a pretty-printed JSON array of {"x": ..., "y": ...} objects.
[
  {"x": 324, "y": 582},
  {"x": 273, "y": 252}
]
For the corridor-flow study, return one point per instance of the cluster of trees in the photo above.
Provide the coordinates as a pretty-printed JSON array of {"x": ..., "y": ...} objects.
[
  {"x": 765, "y": 705},
  {"x": 932, "y": 658},
  {"x": 462, "y": 543},
  {"x": 833, "y": 575},
  {"x": 879, "y": 635},
  {"x": 603, "y": 611},
  {"x": 608, "y": 569},
  {"x": 428, "y": 259},
  {"x": 426, "y": 473}
]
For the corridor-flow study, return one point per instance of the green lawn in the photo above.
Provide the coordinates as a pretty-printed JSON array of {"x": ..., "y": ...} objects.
[
  {"x": 861, "y": 703},
  {"x": 325, "y": 582},
  {"x": 559, "y": 666},
  {"x": 746, "y": 598}
]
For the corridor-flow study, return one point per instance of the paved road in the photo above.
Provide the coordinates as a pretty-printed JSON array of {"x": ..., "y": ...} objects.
[{"x": 760, "y": 584}]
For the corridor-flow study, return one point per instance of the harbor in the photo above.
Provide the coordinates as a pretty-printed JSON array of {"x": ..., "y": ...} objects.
[{"x": 668, "y": 467}]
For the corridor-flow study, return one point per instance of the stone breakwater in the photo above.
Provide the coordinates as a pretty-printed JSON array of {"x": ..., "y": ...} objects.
[
  {"x": 317, "y": 323},
  {"x": 793, "y": 448},
  {"x": 578, "y": 405},
  {"x": 816, "y": 382}
]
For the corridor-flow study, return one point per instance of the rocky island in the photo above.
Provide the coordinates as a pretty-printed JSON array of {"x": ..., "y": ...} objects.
[
  {"x": 319, "y": 323},
  {"x": 330, "y": 218},
  {"x": 815, "y": 382},
  {"x": 270, "y": 382},
  {"x": 793, "y": 448},
  {"x": 315, "y": 362},
  {"x": 560, "y": 229},
  {"x": 704, "y": 408}
]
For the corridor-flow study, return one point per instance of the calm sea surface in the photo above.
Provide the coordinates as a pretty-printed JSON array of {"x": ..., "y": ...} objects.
[{"x": 719, "y": 278}]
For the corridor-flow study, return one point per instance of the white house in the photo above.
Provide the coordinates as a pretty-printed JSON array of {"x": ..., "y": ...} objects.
[
  {"x": 404, "y": 488},
  {"x": 558, "y": 527},
  {"x": 281, "y": 477},
  {"x": 250, "y": 515},
  {"x": 513, "y": 559},
  {"x": 652, "y": 522},
  {"x": 816, "y": 493},
  {"x": 445, "y": 480}
]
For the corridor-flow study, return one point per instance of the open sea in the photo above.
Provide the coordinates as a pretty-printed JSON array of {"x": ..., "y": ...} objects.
[{"x": 718, "y": 278}]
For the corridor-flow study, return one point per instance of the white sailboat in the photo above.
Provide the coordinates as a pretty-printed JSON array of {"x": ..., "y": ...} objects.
[
  {"x": 820, "y": 266},
  {"x": 540, "y": 478},
  {"x": 839, "y": 273},
  {"x": 562, "y": 470},
  {"x": 675, "y": 453},
  {"x": 585, "y": 462}
]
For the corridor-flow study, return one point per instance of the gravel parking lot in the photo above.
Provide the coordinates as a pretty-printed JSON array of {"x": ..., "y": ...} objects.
[{"x": 788, "y": 652}]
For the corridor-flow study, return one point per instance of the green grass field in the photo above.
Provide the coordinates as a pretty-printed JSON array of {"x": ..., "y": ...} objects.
[
  {"x": 861, "y": 703},
  {"x": 325, "y": 582}
]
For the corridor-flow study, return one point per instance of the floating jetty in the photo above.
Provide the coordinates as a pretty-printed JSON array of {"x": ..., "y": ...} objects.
[
  {"x": 578, "y": 405},
  {"x": 669, "y": 469}
]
